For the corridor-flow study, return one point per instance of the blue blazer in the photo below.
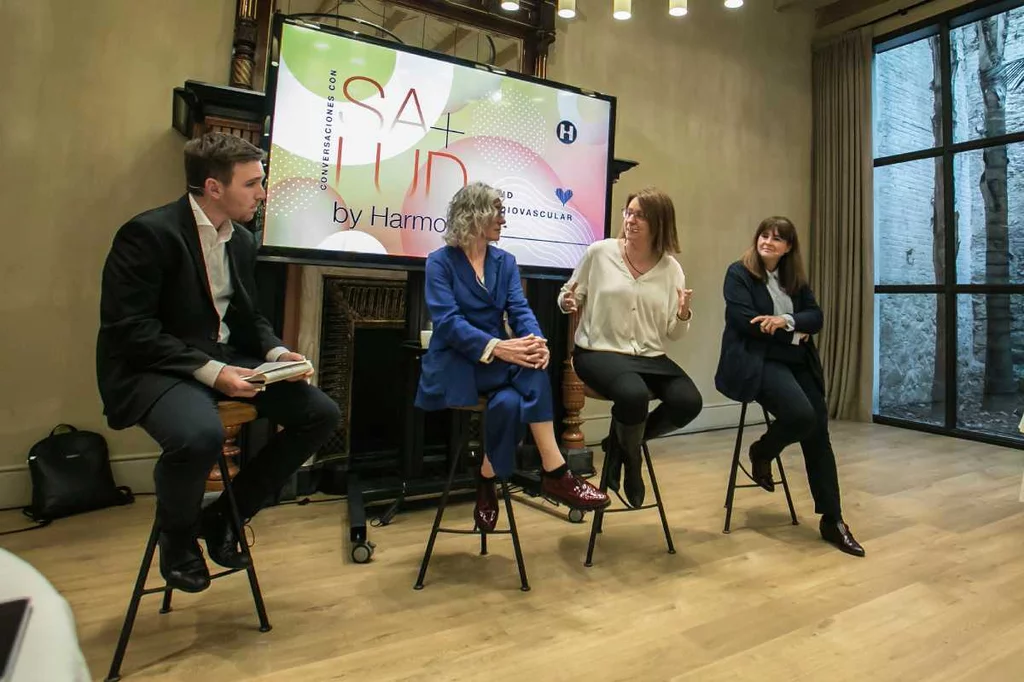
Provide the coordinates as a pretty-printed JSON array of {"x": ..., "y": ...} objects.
[
  {"x": 744, "y": 345},
  {"x": 466, "y": 317}
]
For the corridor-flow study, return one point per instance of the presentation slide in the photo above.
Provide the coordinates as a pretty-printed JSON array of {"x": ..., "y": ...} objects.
[{"x": 369, "y": 143}]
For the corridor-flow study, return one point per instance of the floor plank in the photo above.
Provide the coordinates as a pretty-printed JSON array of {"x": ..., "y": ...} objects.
[{"x": 939, "y": 597}]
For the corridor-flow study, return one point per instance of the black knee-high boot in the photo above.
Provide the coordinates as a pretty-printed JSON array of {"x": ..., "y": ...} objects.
[
  {"x": 613, "y": 459},
  {"x": 629, "y": 440}
]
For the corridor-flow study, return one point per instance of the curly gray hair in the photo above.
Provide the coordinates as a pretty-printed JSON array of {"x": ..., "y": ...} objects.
[{"x": 470, "y": 210}]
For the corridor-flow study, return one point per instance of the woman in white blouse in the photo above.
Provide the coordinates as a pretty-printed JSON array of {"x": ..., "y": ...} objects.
[{"x": 632, "y": 298}]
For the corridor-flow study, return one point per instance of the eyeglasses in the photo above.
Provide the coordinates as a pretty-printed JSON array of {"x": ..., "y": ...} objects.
[{"x": 627, "y": 212}]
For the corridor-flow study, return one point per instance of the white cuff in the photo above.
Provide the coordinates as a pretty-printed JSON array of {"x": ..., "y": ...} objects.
[
  {"x": 790, "y": 322},
  {"x": 488, "y": 354},
  {"x": 274, "y": 353},
  {"x": 208, "y": 373}
]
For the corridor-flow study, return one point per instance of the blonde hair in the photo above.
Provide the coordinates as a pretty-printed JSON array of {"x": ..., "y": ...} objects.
[{"x": 470, "y": 210}]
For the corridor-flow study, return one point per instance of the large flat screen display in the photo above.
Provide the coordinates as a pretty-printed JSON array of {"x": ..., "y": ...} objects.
[{"x": 369, "y": 142}]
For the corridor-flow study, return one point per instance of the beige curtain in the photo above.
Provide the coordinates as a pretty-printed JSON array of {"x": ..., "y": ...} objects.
[{"x": 841, "y": 248}]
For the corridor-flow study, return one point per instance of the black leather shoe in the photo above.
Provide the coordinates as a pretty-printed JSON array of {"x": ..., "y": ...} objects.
[
  {"x": 630, "y": 439},
  {"x": 182, "y": 564},
  {"x": 221, "y": 539},
  {"x": 838, "y": 533},
  {"x": 761, "y": 468}
]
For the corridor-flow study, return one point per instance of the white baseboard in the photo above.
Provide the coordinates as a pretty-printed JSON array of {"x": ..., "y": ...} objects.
[
  {"x": 717, "y": 416},
  {"x": 134, "y": 471}
]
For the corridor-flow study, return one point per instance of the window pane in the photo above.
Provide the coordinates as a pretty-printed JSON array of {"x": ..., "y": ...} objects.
[
  {"x": 909, "y": 223},
  {"x": 910, "y": 362},
  {"x": 989, "y": 190},
  {"x": 908, "y": 93},
  {"x": 990, "y": 367},
  {"x": 988, "y": 84}
]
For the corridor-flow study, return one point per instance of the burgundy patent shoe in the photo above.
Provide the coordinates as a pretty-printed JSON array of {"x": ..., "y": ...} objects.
[
  {"x": 574, "y": 492},
  {"x": 485, "y": 513}
]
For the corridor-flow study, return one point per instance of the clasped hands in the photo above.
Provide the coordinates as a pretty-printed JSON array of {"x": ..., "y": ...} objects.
[
  {"x": 771, "y": 323},
  {"x": 527, "y": 351},
  {"x": 231, "y": 380}
]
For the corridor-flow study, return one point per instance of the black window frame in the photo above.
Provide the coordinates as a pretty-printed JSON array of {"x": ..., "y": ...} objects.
[{"x": 949, "y": 289}]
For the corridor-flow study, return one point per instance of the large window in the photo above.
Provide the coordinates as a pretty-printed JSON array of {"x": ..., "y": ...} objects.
[{"x": 949, "y": 224}]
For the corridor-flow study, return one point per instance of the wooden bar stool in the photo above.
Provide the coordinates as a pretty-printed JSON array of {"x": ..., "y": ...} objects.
[
  {"x": 730, "y": 492},
  {"x": 471, "y": 442},
  {"x": 598, "y": 524},
  {"x": 233, "y": 415}
]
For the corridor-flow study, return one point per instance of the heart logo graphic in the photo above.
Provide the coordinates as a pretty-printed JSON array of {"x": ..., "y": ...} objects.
[{"x": 563, "y": 195}]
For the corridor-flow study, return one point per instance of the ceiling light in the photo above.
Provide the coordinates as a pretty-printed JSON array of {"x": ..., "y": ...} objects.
[
  {"x": 622, "y": 9},
  {"x": 677, "y": 8},
  {"x": 513, "y": 5},
  {"x": 567, "y": 9},
  {"x": 733, "y": 4}
]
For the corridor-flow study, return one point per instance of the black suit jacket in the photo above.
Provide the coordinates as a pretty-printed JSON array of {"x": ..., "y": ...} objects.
[
  {"x": 158, "y": 323},
  {"x": 744, "y": 345}
]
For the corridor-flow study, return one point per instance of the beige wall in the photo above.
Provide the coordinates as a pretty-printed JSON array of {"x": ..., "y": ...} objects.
[
  {"x": 85, "y": 143},
  {"x": 716, "y": 107}
]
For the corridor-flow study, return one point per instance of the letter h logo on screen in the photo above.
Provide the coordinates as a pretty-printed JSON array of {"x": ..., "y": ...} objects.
[{"x": 566, "y": 132}]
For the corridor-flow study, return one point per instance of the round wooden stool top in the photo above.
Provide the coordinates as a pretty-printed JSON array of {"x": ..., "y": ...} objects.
[{"x": 235, "y": 413}]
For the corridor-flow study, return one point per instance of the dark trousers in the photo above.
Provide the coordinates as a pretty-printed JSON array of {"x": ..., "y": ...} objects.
[
  {"x": 185, "y": 423},
  {"x": 517, "y": 396},
  {"x": 793, "y": 396},
  {"x": 605, "y": 373}
]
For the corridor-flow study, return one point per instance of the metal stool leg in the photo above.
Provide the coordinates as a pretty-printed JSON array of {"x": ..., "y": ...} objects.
[
  {"x": 520, "y": 564},
  {"x": 165, "y": 605},
  {"x": 789, "y": 498},
  {"x": 133, "y": 605},
  {"x": 595, "y": 526},
  {"x": 657, "y": 497},
  {"x": 437, "y": 521},
  {"x": 254, "y": 585},
  {"x": 730, "y": 492}
]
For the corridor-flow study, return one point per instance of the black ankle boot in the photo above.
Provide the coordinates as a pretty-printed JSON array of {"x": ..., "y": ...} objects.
[
  {"x": 630, "y": 438},
  {"x": 613, "y": 461},
  {"x": 181, "y": 562}
]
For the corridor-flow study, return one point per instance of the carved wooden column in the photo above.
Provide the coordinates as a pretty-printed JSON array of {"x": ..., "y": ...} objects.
[{"x": 243, "y": 58}]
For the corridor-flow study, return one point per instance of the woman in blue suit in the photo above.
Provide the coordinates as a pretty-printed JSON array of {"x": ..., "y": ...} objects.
[
  {"x": 472, "y": 289},
  {"x": 769, "y": 356}
]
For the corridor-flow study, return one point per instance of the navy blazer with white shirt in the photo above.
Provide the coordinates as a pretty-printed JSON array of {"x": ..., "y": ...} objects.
[
  {"x": 744, "y": 345},
  {"x": 466, "y": 317}
]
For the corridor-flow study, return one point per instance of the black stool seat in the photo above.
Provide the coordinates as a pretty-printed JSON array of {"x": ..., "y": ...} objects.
[
  {"x": 231, "y": 415},
  {"x": 598, "y": 523},
  {"x": 471, "y": 445},
  {"x": 730, "y": 492}
]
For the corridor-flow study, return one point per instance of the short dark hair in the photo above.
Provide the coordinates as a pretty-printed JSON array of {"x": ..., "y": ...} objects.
[{"x": 214, "y": 155}]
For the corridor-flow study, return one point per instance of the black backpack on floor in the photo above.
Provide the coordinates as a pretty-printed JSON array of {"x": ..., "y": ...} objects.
[{"x": 71, "y": 474}]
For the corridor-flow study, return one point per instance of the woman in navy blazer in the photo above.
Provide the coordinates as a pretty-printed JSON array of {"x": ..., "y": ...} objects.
[
  {"x": 768, "y": 356},
  {"x": 473, "y": 289}
]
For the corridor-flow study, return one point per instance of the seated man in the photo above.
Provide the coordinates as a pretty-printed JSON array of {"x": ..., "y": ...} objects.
[
  {"x": 180, "y": 330},
  {"x": 470, "y": 288}
]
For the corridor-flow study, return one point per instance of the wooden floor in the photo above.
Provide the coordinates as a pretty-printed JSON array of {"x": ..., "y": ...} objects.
[{"x": 940, "y": 595}]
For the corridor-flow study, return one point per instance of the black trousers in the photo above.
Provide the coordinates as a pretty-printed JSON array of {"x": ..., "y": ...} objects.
[
  {"x": 626, "y": 380},
  {"x": 185, "y": 423},
  {"x": 791, "y": 394}
]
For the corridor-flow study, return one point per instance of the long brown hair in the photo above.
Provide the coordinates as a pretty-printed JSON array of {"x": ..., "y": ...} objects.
[
  {"x": 792, "y": 276},
  {"x": 660, "y": 214}
]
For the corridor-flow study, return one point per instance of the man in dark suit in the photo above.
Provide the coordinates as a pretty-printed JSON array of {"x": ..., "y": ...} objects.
[{"x": 180, "y": 330}]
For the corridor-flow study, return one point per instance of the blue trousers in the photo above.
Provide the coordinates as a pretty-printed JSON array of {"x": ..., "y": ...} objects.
[{"x": 516, "y": 396}]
